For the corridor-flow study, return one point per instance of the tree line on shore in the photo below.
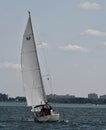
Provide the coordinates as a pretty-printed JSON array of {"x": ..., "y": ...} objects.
[
  {"x": 78, "y": 100},
  {"x": 57, "y": 99}
]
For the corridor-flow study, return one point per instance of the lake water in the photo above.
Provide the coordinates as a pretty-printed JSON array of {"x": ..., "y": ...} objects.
[{"x": 16, "y": 116}]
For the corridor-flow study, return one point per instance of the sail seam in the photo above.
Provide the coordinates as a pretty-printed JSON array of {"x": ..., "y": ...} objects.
[
  {"x": 36, "y": 87},
  {"x": 25, "y": 70},
  {"x": 24, "y": 52},
  {"x": 28, "y": 34}
]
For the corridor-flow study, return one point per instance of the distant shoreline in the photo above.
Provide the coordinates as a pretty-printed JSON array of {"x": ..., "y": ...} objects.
[
  {"x": 57, "y": 99},
  {"x": 62, "y": 100}
]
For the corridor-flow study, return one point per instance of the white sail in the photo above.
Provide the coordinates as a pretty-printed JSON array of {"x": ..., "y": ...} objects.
[{"x": 33, "y": 84}]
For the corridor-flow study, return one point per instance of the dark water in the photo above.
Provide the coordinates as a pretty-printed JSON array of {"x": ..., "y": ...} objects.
[{"x": 73, "y": 117}]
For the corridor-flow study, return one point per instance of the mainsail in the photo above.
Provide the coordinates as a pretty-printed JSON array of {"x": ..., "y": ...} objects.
[{"x": 32, "y": 79}]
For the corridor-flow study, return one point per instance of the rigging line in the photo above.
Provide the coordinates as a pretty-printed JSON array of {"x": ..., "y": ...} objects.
[
  {"x": 46, "y": 65},
  {"x": 32, "y": 92},
  {"x": 48, "y": 70}
]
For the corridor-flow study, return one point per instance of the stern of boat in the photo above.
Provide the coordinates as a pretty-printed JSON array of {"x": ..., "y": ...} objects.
[{"x": 53, "y": 117}]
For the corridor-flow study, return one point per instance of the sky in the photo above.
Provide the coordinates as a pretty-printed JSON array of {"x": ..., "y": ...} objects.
[{"x": 71, "y": 41}]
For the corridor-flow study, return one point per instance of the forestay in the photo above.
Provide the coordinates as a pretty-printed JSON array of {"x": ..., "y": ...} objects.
[{"x": 33, "y": 84}]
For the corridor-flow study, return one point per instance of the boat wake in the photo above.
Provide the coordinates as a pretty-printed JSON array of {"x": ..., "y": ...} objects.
[{"x": 64, "y": 121}]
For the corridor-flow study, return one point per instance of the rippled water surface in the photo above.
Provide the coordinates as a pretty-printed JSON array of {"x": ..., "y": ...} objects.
[{"x": 15, "y": 116}]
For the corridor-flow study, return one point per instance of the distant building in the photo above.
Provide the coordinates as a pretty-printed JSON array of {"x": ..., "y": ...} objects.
[
  {"x": 103, "y": 96},
  {"x": 3, "y": 97},
  {"x": 60, "y": 96},
  {"x": 92, "y": 95},
  {"x": 20, "y": 99}
]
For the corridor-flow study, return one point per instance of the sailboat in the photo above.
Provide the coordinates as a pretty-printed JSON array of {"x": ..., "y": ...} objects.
[{"x": 32, "y": 78}]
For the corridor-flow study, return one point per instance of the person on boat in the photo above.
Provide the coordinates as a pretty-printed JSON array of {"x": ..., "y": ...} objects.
[{"x": 46, "y": 109}]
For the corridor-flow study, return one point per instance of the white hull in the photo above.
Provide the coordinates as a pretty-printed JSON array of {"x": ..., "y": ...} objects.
[{"x": 48, "y": 118}]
